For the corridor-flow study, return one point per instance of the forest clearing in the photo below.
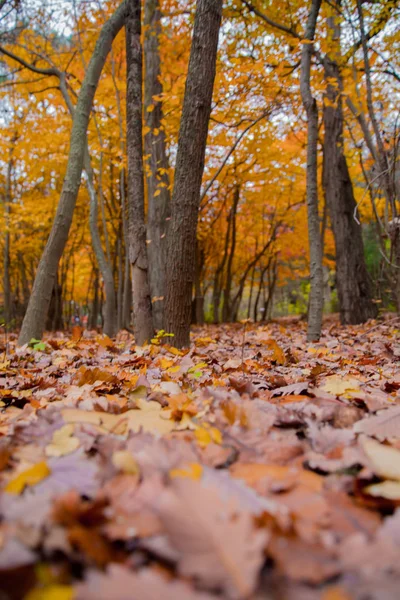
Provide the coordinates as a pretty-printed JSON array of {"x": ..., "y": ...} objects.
[{"x": 199, "y": 299}]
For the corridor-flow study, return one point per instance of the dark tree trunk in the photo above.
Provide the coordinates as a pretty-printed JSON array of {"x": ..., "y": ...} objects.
[
  {"x": 35, "y": 317},
  {"x": 189, "y": 169},
  {"x": 155, "y": 149},
  {"x": 219, "y": 274},
  {"x": 314, "y": 236},
  {"x": 227, "y": 308},
  {"x": 95, "y": 304},
  {"x": 198, "y": 293},
  {"x": 143, "y": 323},
  {"x": 6, "y": 251},
  {"x": 354, "y": 288}
]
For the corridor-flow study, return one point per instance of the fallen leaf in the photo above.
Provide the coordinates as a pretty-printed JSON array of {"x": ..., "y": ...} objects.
[
  {"x": 51, "y": 592},
  {"x": 217, "y": 545},
  {"x": 63, "y": 442},
  {"x": 383, "y": 460},
  {"x": 119, "y": 583},
  {"x": 124, "y": 462},
  {"x": 193, "y": 471},
  {"x": 30, "y": 477},
  {"x": 384, "y": 425},
  {"x": 387, "y": 489},
  {"x": 341, "y": 386}
]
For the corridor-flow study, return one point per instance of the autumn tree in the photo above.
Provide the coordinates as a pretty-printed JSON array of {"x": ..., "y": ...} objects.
[
  {"x": 156, "y": 166},
  {"x": 189, "y": 169},
  {"x": 137, "y": 229},
  {"x": 34, "y": 320}
]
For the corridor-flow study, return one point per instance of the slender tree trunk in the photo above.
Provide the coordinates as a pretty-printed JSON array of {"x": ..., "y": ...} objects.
[
  {"x": 219, "y": 274},
  {"x": 316, "y": 301},
  {"x": 268, "y": 304},
  {"x": 227, "y": 312},
  {"x": 198, "y": 293},
  {"x": 120, "y": 292},
  {"x": 110, "y": 314},
  {"x": 143, "y": 322},
  {"x": 157, "y": 172},
  {"x": 354, "y": 289},
  {"x": 189, "y": 169},
  {"x": 6, "y": 251},
  {"x": 253, "y": 274},
  {"x": 35, "y": 317},
  {"x": 95, "y": 304},
  {"x": 260, "y": 287}
]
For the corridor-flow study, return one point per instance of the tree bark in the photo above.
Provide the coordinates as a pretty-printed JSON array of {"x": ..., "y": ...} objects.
[
  {"x": 110, "y": 309},
  {"x": 189, "y": 169},
  {"x": 157, "y": 167},
  {"x": 354, "y": 289},
  {"x": 227, "y": 308},
  {"x": 6, "y": 251},
  {"x": 35, "y": 317},
  {"x": 316, "y": 301},
  {"x": 143, "y": 322}
]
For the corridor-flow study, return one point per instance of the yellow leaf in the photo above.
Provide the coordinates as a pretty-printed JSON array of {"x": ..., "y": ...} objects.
[
  {"x": 174, "y": 369},
  {"x": 341, "y": 386},
  {"x": 175, "y": 351},
  {"x": 278, "y": 354},
  {"x": 387, "y": 489},
  {"x": 124, "y": 461},
  {"x": 207, "y": 434},
  {"x": 204, "y": 341},
  {"x": 384, "y": 460},
  {"x": 165, "y": 363},
  {"x": 150, "y": 108},
  {"x": 150, "y": 418},
  {"x": 193, "y": 471},
  {"x": 31, "y": 476},
  {"x": 63, "y": 442},
  {"x": 52, "y": 592},
  {"x": 156, "y": 193}
]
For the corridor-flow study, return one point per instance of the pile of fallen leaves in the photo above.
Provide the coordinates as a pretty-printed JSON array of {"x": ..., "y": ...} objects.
[{"x": 253, "y": 465}]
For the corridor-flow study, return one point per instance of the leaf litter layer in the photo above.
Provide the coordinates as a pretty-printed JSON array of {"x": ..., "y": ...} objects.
[{"x": 253, "y": 465}]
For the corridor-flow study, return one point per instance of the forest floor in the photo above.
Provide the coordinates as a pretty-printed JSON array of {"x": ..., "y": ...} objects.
[{"x": 254, "y": 465}]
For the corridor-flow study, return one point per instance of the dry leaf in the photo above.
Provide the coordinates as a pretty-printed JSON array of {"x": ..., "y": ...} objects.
[
  {"x": 31, "y": 476},
  {"x": 341, "y": 386},
  {"x": 218, "y": 545},
  {"x": 193, "y": 471},
  {"x": 383, "y": 460},
  {"x": 148, "y": 418},
  {"x": 387, "y": 489},
  {"x": 124, "y": 462},
  {"x": 63, "y": 441},
  {"x": 119, "y": 583},
  {"x": 384, "y": 425}
]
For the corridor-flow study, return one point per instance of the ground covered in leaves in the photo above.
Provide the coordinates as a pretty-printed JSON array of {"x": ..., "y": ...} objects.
[{"x": 254, "y": 465}]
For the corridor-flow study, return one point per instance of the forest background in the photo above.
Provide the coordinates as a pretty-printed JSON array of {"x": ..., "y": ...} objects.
[{"x": 285, "y": 71}]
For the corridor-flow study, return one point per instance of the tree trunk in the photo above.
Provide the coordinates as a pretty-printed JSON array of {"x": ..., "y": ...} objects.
[
  {"x": 143, "y": 322},
  {"x": 354, "y": 290},
  {"x": 35, "y": 317},
  {"x": 6, "y": 251},
  {"x": 95, "y": 304},
  {"x": 316, "y": 301},
  {"x": 157, "y": 173},
  {"x": 198, "y": 293},
  {"x": 227, "y": 308},
  {"x": 110, "y": 309},
  {"x": 189, "y": 169}
]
